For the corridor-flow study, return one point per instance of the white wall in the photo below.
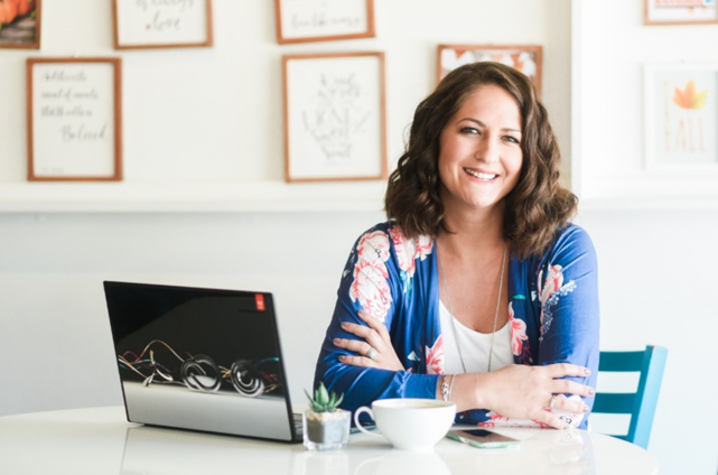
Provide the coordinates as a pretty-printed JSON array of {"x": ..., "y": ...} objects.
[
  {"x": 214, "y": 116},
  {"x": 611, "y": 73}
]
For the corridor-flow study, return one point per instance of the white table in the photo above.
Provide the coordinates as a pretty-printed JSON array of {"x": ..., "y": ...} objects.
[{"x": 100, "y": 441}]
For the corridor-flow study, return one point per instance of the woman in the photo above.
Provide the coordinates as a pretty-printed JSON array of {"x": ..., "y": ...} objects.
[{"x": 477, "y": 290}]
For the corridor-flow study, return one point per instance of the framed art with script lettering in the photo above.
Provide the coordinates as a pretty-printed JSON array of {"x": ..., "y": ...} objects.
[
  {"x": 74, "y": 119},
  {"x": 680, "y": 12},
  {"x": 139, "y": 24},
  {"x": 526, "y": 59},
  {"x": 334, "y": 119},
  {"x": 301, "y": 21},
  {"x": 20, "y": 24},
  {"x": 682, "y": 117}
]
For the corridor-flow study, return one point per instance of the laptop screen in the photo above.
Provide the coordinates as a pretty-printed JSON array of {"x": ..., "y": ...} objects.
[{"x": 200, "y": 359}]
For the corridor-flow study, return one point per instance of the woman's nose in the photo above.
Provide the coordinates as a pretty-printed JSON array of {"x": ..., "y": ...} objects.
[{"x": 487, "y": 151}]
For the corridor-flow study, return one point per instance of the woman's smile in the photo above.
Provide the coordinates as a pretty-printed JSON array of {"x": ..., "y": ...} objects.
[{"x": 481, "y": 175}]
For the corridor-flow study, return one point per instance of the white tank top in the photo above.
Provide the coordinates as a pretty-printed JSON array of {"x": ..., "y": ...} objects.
[{"x": 474, "y": 346}]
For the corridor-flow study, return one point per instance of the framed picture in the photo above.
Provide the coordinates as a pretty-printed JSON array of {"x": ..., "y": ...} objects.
[
  {"x": 20, "y": 24},
  {"x": 139, "y": 24},
  {"x": 334, "y": 117},
  {"x": 526, "y": 59},
  {"x": 74, "y": 119},
  {"x": 679, "y": 12},
  {"x": 682, "y": 117},
  {"x": 301, "y": 21}
]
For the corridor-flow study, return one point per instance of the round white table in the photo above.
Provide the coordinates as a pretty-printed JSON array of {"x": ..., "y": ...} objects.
[{"x": 100, "y": 441}]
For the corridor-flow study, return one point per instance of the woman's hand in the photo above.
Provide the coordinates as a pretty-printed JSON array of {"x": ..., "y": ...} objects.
[
  {"x": 374, "y": 336},
  {"x": 525, "y": 392}
]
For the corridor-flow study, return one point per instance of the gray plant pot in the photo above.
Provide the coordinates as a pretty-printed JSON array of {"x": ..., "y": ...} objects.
[{"x": 326, "y": 430}]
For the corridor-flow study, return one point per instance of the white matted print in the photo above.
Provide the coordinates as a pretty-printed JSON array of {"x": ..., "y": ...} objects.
[
  {"x": 334, "y": 119},
  {"x": 682, "y": 116},
  {"x": 526, "y": 59},
  {"x": 74, "y": 119},
  {"x": 162, "y": 23},
  {"x": 680, "y": 12},
  {"x": 323, "y": 20}
]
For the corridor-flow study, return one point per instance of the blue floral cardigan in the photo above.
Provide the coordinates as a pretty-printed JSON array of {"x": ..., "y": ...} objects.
[{"x": 553, "y": 313}]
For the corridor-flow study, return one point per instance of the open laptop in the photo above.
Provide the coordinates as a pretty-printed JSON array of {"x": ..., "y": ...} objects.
[{"x": 201, "y": 359}]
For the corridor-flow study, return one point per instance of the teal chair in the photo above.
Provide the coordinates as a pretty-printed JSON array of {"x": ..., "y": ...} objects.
[{"x": 641, "y": 405}]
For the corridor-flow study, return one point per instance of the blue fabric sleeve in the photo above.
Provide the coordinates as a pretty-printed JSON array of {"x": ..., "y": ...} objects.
[
  {"x": 361, "y": 386},
  {"x": 568, "y": 295}
]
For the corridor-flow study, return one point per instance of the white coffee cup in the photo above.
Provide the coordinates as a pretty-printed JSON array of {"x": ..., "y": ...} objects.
[{"x": 410, "y": 424}]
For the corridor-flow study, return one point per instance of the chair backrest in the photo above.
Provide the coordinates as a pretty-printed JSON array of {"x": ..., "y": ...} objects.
[{"x": 641, "y": 405}]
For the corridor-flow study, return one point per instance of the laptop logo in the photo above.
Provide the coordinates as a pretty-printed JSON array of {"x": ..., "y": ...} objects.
[{"x": 259, "y": 300}]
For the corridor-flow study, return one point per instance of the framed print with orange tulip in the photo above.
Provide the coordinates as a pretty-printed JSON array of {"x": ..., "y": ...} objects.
[
  {"x": 682, "y": 117},
  {"x": 300, "y": 21},
  {"x": 526, "y": 58},
  {"x": 679, "y": 12},
  {"x": 334, "y": 117},
  {"x": 141, "y": 24},
  {"x": 20, "y": 24},
  {"x": 74, "y": 119}
]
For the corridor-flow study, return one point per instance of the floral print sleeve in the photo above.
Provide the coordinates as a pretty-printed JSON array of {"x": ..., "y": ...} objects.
[
  {"x": 567, "y": 294},
  {"x": 369, "y": 287},
  {"x": 379, "y": 277}
]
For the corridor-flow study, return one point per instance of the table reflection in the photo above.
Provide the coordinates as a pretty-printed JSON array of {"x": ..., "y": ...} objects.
[
  {"x": 99, "y": 441},
  {"x": 541, "y": 452},
  {"x": 158, "y": 451},
  {"x": 403, "y": 461}
]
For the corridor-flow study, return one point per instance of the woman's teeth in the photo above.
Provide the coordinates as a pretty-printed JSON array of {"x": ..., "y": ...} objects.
[{"x": 480, "y": 176}]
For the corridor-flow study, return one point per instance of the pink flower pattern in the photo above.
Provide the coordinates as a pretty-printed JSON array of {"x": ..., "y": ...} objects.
[
  {"x": 371, "y": 289},
  {"x": 405, "y": 250},
  {"x": 518, "y": 332},
  {"x": 554, "y": 280},
  {"x": 374, "y": 247},
  {"x": 497, "y": 420},
  {"x": 370, "y": 284},
  {"x": 550, "y": 292},
  {"x": 435, "y": 357},
  {"x": 520, "y": 346},
  {"x": 424, "y": 246},
  {"x": 408, "y": 250}
]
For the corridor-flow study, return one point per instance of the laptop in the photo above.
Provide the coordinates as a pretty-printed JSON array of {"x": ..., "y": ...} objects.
[{"x": 201, "y": 359}]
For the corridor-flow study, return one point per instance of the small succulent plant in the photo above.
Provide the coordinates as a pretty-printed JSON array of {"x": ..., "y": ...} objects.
[{"x": 323, "y": 401}]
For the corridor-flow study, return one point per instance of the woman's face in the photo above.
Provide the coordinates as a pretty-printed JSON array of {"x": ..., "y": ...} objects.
[{"x": 480, "y": 156}]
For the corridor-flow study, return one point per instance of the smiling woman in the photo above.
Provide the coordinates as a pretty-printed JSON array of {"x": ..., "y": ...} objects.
[{"x": 478, "y": 290}]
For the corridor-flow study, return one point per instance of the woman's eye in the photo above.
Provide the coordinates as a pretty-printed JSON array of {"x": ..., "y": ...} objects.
[
  {"x": 469, "y": 130},
  {"x": 511, "y": 139}
]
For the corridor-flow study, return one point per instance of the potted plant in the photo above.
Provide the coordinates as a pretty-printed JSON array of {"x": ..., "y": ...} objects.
[{"x": 326, "y": 427}]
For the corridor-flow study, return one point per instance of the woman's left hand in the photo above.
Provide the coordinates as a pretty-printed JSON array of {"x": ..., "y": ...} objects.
[{"x": 376, "y": 337}]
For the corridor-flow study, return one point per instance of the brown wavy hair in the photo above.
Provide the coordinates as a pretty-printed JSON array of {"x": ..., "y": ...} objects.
[{"x": 535, "y": 209}]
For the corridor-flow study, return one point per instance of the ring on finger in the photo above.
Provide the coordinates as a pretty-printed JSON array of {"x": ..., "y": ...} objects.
[
  {"x": 371, "y": 354},
  {"x": 552, "y": 403}
]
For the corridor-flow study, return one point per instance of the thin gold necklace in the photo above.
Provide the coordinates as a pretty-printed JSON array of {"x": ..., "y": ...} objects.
[{"x": 496, "y": 314}]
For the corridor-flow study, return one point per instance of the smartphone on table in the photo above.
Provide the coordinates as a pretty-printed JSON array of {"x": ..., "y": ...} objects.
[{"x": 483, "y": 439}]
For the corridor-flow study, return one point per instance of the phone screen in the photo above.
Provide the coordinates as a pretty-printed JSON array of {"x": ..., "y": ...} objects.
[{"x": 483, "y": 438}]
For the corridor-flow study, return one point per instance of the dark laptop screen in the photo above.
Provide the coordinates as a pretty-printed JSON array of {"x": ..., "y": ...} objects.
[{"x": 192, "y": 357}]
